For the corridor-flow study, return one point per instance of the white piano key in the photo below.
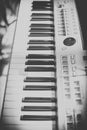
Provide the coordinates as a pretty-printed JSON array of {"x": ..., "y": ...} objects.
[
  {"x": 17, "y": 112},
  {"x": 20, "y": 83},
  {"x": 24, "y": 53},
  {"x": 41, "y": 38},
  {"x": 21, "y": 52},
  {"x": 17, "y": 66},
  {"x": 32, "y": 93},
  {"x": 21, "y": 66},
  {"x": 17, "y": 77},
  {"x": 41, "y": 34},
  {"x": 47, "y": 12},
  {"x": 20, "y": 78},
  {"x": 45, "y": 125},
  {"x": 40, "y": 83},
  {"x": 12, "y": 90},
  {"x": 38, "y": 44},
  {"x": 13, "y": 120},
  {"x": 18, "y": 104},
  {"x": 16, "y": 73},
  {"x": 13, "y": 83},
  {"x": 24, "y": 47},
  {"x": 22, "y": 57},
  {"x": 18, "y": 89},
  {"x": 41, "y": 22},
  {"x": 31, "y": 74},
  {"x": 33, "y": 125},
  {"x": 12, "y": 98},
  {"x": 50, "y": 65},
  {"x": 10, "y": 95},
  {"x": 41, "y": 52},
  {"x": 16, "y": 62},
  {"x": 18, "y": 56}
]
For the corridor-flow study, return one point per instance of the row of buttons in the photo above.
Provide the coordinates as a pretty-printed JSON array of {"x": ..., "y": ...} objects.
[
  {"x": 77, "y": 92},
  {"x": 65, "y": 64},
  {"x": 73, "y": 121},
  {"x": 65, "y": 72},
  {"x": 69, "y": 68},
  {"x": 67, "y": 24},
  {"x": 66, "y": 79},
  {"x": 69, "y": 119}
]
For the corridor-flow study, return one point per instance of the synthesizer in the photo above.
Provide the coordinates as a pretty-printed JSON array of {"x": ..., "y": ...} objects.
[{"x": 45, "y": 85}]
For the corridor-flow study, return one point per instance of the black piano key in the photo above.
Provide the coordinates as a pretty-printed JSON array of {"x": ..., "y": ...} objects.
[
  {"x": 41, "y": 25},
  {"x": 42, "y": 1},
  {"x": 42, "y": 19},
  {"x": 42, "y": 14},
  {"x": 42, "y": 9},
  {"x": 38, "y": 99},
  {"x": 41, "y": 34},
  {"x": 38, "y": 118},
  {"x": 40, "y": 69},
  {"x": 39, "y": 79},
  {"x": 41, "y": 42},
  {"x": 39, "y": 62},
  {"x": 41, "y": 48},
  {"x": 41, "y": 30},
  {"x": 40, "y": 56},
  {"x": 39, "y": 4},
  {"x": 38, "y": 87},
  {"x": 38, "y": 108}
]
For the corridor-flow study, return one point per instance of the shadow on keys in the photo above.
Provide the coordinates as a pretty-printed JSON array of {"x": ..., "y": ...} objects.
[
  {"x": 8, "y": 18},
  {"x": 81, "y": 126},
  {"x": 4, "y": 61}
]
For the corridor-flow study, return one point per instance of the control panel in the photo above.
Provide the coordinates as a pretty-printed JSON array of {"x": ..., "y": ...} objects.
[
  {"x": 72, "y": 89},
  {"x": 71, "y": 64},
  {"x": 67, "y": 28}
]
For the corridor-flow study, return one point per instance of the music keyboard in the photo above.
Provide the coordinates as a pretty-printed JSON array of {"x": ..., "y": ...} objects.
[
  {"x": 30, "y": 93},
  {"x": 46, "y": 72}
]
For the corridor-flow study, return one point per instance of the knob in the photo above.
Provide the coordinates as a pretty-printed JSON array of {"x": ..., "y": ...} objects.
[{"x": 69, "y": 41}]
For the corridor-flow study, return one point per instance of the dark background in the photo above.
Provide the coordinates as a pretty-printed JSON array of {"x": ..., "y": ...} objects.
[{"x": 82, "y": 12}]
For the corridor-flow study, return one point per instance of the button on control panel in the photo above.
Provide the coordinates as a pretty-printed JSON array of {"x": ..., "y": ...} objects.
[{"x": 69, "y": 41}]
